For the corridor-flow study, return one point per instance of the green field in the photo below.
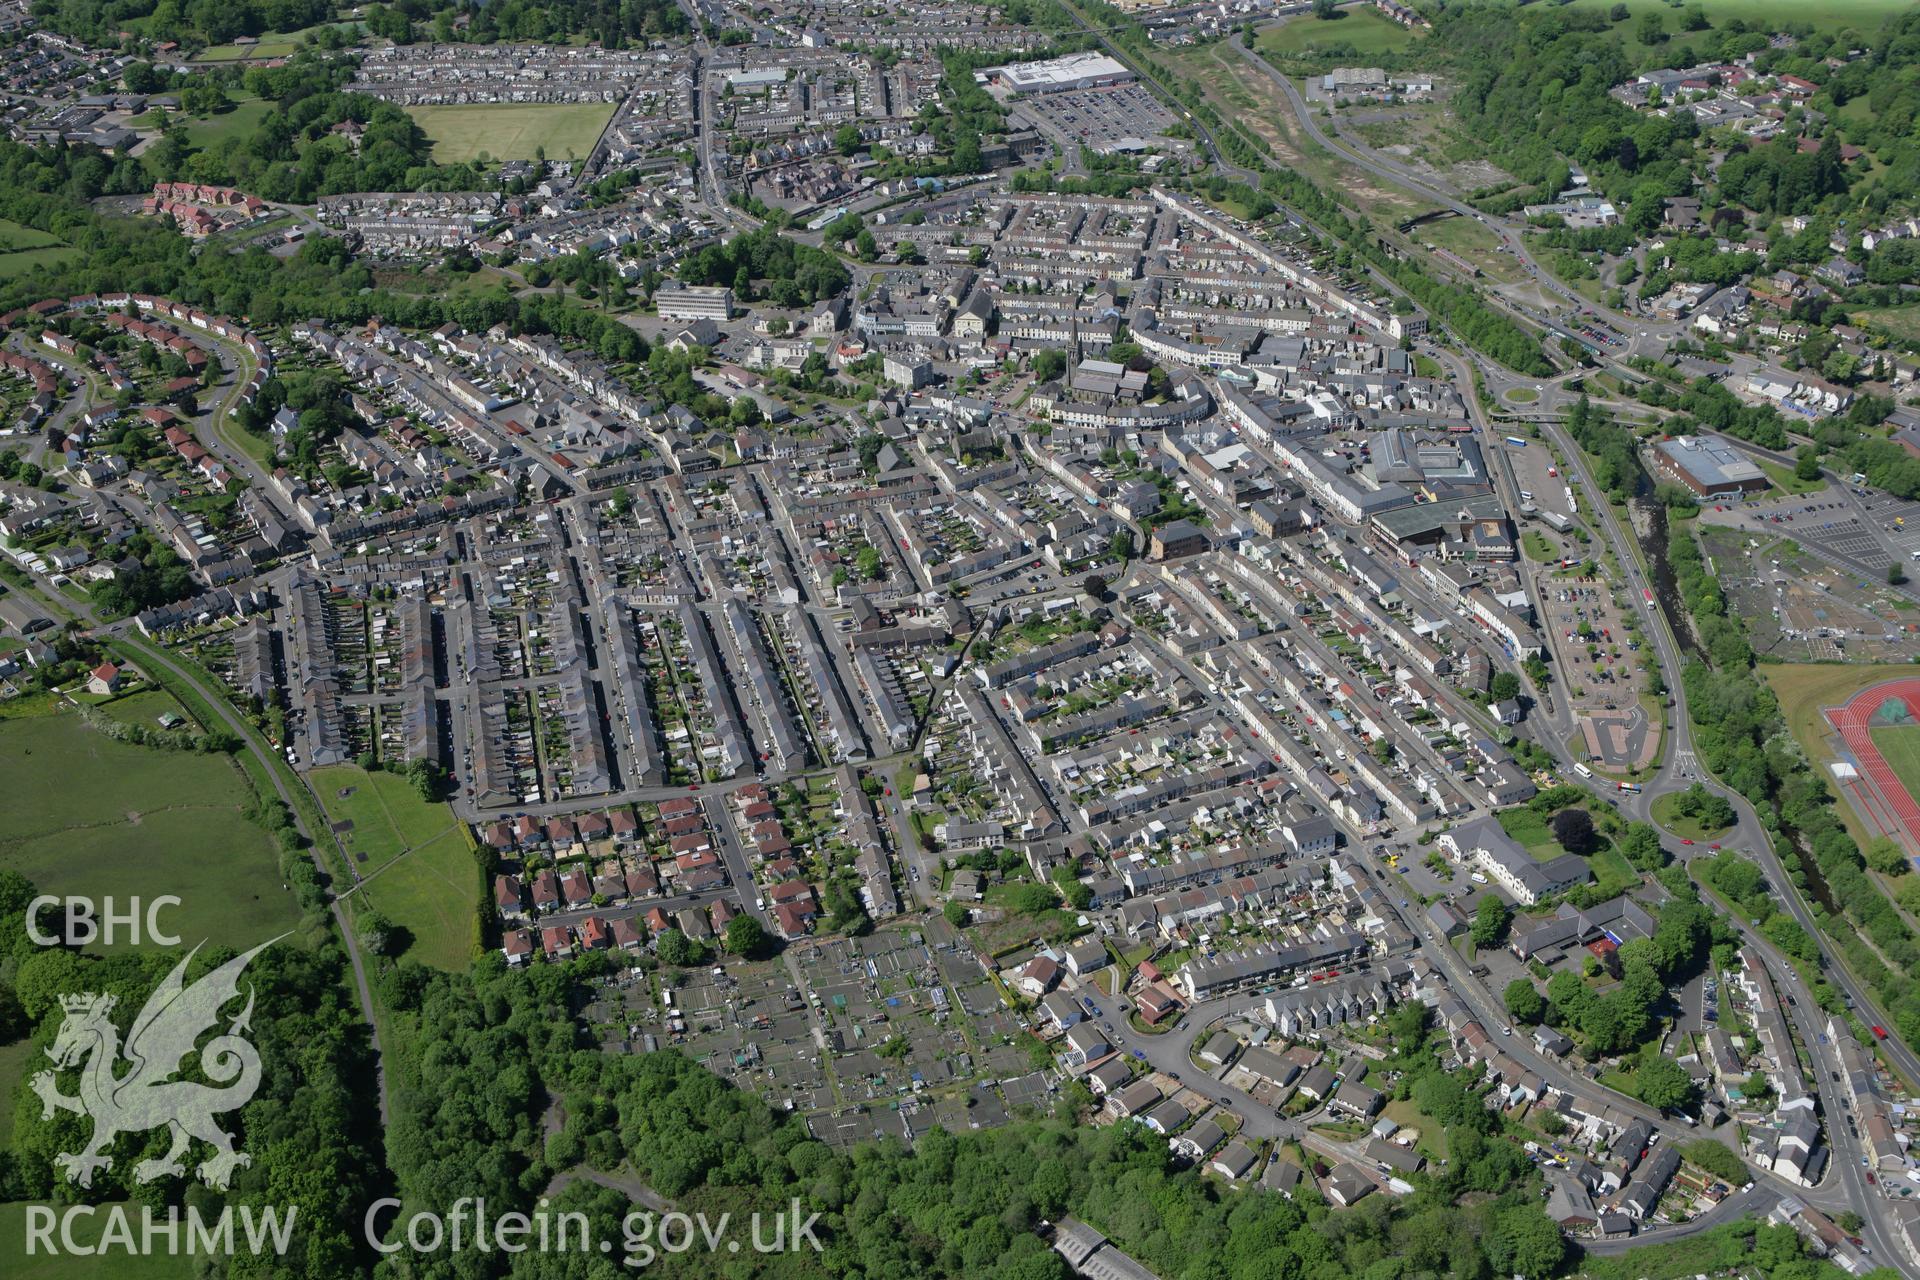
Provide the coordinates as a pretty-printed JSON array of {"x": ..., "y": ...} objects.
[
  {"x": 88, "y": 815},
  {"x": 433, "y": 893},
  {"x": 1901, "y": 746},
  {"x": 1362, "y": 29},
  {"x": 145, "y": 708},
  {"x": 86, "y": 1232},
  {"x": 241, "y": 122},
  {"x": 271, "y": 47},
  {"x": 1826, "y": 15},
  {"x": 389, "y": 818},
  {"x": 22, "y": 248},
  {"x": 510, "y": 132},
  {"x": 1803, "y": 688},
  {"x": 1897, "y": 322}
]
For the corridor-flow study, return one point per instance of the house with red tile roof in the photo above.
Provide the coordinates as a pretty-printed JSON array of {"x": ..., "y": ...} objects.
[{"x": 516, "y": 945}]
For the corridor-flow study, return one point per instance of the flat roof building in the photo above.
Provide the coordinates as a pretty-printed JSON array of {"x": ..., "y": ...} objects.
[{"x": 1707, "y": 465}]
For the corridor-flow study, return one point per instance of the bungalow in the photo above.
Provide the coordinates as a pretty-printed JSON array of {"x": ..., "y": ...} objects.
[
  {"x": 1348, "y": 1184},
  {"x": 1197, "y": 1141},
  {"x": 104, "y": 679},
  {"x": 1134, "y": 1100},
  {"x": 1108, "y": 1077},
  {"x": 1235, "y": 1162}
]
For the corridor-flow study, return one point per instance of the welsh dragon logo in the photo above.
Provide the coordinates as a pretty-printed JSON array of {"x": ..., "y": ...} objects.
[{"x": 145, "y": 1097}]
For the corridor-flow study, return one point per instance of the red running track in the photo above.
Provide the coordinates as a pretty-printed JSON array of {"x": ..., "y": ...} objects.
[{"x": 1850, "y": 720}]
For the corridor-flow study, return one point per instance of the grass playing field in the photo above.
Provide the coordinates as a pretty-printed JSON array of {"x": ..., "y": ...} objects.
[
  {"x": 88, "y": 815},
  {"x": 512, "y": 132},
  {"x": 418, "y": 866},
  {"x": 389, "y": 818},
  {"x": 433, "y": 893},
  {"x": 1362, "y": 29},
  {"x": 240, "y": 122},
  {"x": 1901, "y": 747}
]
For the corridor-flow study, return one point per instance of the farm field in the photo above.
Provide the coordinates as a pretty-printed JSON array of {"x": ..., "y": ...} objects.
[
  {"x": 512, "y": 132},
  {"x": 1827, "y": 16},
  {"x": 388, "y": 817},
  {"x": 22, "y": 248},
  {"x": 1363, "y": 30},
  {"x": 146, "y": 823}
]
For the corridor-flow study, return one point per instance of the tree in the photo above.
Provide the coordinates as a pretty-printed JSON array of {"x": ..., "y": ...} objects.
[
  {"x": 1095, "y": 588},
  {"x": 846, "y": 140},
  {"x": 1382, "y": 750},
  {"x": 1525, "y": 1002},
  {"x": 1120, "y": 546},
  {"x": 1642, "y": 847},
  {"x": 676, "y": 948},
  {"x": 1524, "y": 1241},
  {"x": 375, "y": 932},
  {"x": 1504, "y": 685},
  {"x": 1490, "y": 921},
  {"x": 1573, "y": 828},
  {"x": 1806, "y": 463},
  {"x": 1665, "y": 1084},
  {"x": 1326, "y": 10},
  {"x": 1886, "y": 856},
  {"x": 1895, "y": 574},
  {"x": 956, "y": 913},
  {"x": 745, "y": 937},
  {"x": 1078, "y": 895}
]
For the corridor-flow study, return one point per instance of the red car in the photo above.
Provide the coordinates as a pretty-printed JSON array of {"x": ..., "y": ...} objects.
[
  {"x": 1686, "y": 842},
  {"x": 1880, "y": 1033},
  {"x": 1713, "y": 846}
]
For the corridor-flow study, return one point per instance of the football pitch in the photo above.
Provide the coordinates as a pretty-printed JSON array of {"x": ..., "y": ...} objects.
[
  {"x": 510, "y": 131},
  {"x": 1900, "y": 747}
]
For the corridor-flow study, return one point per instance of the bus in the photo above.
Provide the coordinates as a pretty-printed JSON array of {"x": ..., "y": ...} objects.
[
  {"x": 1582, "y": 770},
  {"x": 1516, "y": 442},
  {"x": 1631, "y": 788}
]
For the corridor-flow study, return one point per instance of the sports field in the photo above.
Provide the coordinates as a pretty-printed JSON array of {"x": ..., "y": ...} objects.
[
  {"x": 388, "y": 817},
  {"x": 1364, "y": 29},
  {"x": 87, "y": 815},
  {"x": 1900, "y": 746},
  {"x": 433, "y": 893},
  {"x": 413, "y": 857},
  {"x": 513, "y": 132}
]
